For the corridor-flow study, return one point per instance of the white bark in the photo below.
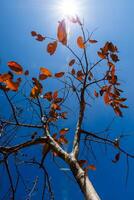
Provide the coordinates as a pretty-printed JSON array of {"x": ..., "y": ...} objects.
[{"x": 83, "y": 182}]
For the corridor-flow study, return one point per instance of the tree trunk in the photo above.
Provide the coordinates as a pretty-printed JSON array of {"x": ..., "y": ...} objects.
[{"x": 83, "y": 181}]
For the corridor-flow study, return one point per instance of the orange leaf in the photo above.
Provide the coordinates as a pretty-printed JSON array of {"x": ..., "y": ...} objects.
[
  {"x": 92, "y": 167},
  {"x": 101, "y": 55},
  {"x": 61, "y": 32},
  {"x": 12, "y": 85},
  {"x": 4, "y": 77},
  {"x": 42, "y": 77},
  {"x": 59, "y": 74},
  {"x": 80, "y": 42},
  {"x": 15, "y": 67},
  {"x": 46, "y": 72},
  {"x": 64, "y": 131},
  {"x": 63, "y": 140},
  {"x": 37, "y": 89},
  {"x": 51, "y": 47},
  {"x": 55, "y": 106}
]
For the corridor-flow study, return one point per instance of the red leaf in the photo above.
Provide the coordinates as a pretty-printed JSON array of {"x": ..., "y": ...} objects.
[
  {"x": 106, "y": 98},
  {"x": 15, "y": 67}
]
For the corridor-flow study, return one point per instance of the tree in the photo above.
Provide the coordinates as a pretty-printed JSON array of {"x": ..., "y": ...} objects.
[{"x": 50, "y": 111}]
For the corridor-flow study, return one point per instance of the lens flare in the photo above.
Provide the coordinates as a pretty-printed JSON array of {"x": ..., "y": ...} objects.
[{"x": 69, "y": 8}]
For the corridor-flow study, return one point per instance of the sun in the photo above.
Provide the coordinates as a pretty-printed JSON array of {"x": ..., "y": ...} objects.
[{"x": 69, "y": 8}]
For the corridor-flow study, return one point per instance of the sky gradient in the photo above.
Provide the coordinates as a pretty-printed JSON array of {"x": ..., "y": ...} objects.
[{"x": 112, "y": 21}]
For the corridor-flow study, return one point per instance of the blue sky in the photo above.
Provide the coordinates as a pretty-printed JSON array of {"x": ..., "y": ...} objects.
[{"x": 113, "y": 21}]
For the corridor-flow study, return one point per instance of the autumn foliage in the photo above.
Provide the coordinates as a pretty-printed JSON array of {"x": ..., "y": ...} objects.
[
  {"x": 108, "y": 53},
  {"x": 80, "y": 78}
]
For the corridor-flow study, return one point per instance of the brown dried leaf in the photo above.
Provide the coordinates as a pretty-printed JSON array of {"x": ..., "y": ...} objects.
[
  {"x": 61, "y": 32},
  {"x": 48, "y": 96},
  {"x": 51, "y": 47},
  {"x": 59, "y": 74},
  {"x": 114, "y": 57},
  {"x": 93, "y": 41},
  {"x": 71, "y": 63},
  {"x": 96, "y": 94}
]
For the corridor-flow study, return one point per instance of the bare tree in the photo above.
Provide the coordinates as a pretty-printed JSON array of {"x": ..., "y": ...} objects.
[{"x": 33, "y": 118}]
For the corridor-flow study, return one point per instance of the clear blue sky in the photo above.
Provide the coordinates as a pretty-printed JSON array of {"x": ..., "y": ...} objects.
[{"x": 113, "y": 21}]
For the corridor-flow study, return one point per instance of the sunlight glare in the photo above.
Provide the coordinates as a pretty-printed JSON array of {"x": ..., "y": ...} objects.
[{"x": 69, "y": 8}]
